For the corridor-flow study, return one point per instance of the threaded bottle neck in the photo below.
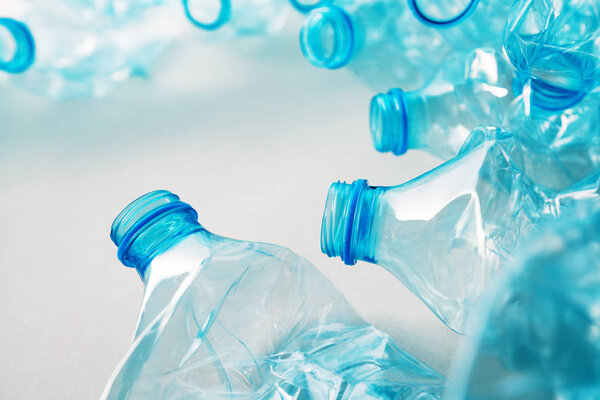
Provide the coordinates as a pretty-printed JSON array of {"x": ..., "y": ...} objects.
[
  {"x": 389, "y": 122},
  {"x": 442, "y": 13},
  {"x": 327, "y": 37},
  {"x": 150, "y": 225},
  {"x": 347, "y": 229},
  {"x": 17, "y": 47},
  {"x": 553, "y": 98}
]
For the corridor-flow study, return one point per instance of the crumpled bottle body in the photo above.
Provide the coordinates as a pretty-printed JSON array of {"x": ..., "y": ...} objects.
[
  {"x": 538, "y": 331},
  {"x": 446, "y": 234},
  {"x": 230, "y": 319}
]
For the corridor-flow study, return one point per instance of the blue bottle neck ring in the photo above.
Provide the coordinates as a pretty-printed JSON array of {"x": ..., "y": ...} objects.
[
  {"x": 150, "y": 225},
  {"x": 222, "y": 18},
  {"x": 439, "y": 23},
  {"x": 327, "y": 37},
  {"x": 347, "y": 229},
  {"x": 24, "y": 44},
  {"x": 389, "y": 122}
]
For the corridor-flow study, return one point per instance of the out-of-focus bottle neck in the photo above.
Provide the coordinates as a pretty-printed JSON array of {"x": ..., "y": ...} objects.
[
  {"x": 350, "y": 215},
  {"x": 442, "y": 14},
  {"x": 150, "y": 225},
  {"x": 17, "y": 47}
]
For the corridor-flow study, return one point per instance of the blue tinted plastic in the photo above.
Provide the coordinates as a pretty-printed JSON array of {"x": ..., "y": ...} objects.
[
  {"x": 379, "y": 40},
  {"x": 439, "y": 13},
  {"x": 305, "y": 6},
  {"x": 224, "y": 319},
  {"x": 471, "y": 89},
  {"x": 17, "y": 49},
  {"x": 446, "y": 233},
  {"x": 236, "y": 17},
  {"x": 557, "y": 45},
  {"x": 81, "y": 50},
  {"x": 538, "y": 337},
  {"x": 560, "y": 148}
]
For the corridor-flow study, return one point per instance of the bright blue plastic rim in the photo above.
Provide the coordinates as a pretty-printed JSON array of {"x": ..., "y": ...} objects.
[
  {"x": 343, "y": 37},
  {"x": 139, "y": 225},
  {"x": 223, "y": 17},
  {"x": 305, "y": 8},
  {"x": 25, "y": 47},
  {"x": 439, "y": 23},
  {"x": 347, "y": 255}
]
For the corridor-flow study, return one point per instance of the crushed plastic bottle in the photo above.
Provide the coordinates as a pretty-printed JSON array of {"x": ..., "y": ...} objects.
[
  {"x": 538, "y": 336},
  {"x": 470, "y": 89},
  {"x": 60, "y": 50},
  {"x": 379, "y": 40},
  {"x": 447, "y": 233},
  {"x": 237, "y": 17},
  {"x": 225, "y": 319},
  {"x": 557, "y": 45}
]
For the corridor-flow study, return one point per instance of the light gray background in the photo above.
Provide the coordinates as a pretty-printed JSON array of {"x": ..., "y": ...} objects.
[{"x": 247, "y": 131}]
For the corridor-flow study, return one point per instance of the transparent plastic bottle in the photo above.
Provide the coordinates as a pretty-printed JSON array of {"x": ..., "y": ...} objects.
[
  {"x": 470, "y": 89},
  {"x": 557, "y": 45},
  {"x": 224, "y": 319},
  {"x": 538, "y": 336},
  {"x": 61, "y": 50},
  {"x": 379, "y": 40},
  {"x": 237, "y": 17},
  {"x": 447, "y": 233}
]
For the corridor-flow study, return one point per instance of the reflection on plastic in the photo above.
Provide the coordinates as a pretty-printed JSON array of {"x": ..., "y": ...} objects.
[
  {"x": 223, "y": 318},
  {"x": 446, "y": 233}
]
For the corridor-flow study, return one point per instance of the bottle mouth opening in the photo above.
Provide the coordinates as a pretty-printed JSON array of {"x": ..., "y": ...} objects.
[
  {"x": 207, "y": 14},
  {"x": 17, "y": 46},
  {"x": 305, "y": 6},
  {"x": 388, "y": 122},
  {"x": 339, "y": 220},
  {"x": 327, "y": 37},
  {"x": 442, "y": 13}
]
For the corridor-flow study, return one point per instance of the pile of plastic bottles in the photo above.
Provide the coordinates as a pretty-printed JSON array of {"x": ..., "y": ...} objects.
[{"x": 501, "y": 241}]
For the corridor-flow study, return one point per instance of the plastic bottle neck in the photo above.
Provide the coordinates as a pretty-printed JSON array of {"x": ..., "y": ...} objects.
[
  {"x": 442, "y": 13},
  {"x": 327, "y": 37},
  {"x": 149, "y": 226},
  {"x": 389, "y": 122},
  {"x": 553, "y": 98},
  {"x": 193, "y": 10},
  {"x": 17, "y": 47},
  {"x": 306, "y": 6},
  {"x": 347, "y": 230}
]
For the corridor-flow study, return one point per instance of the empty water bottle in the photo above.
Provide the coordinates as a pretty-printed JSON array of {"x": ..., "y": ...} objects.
[
  {"x": 538, "y": 337},
  {"x": 62, "y": 50},
  {"x": 237, "y": 17},
  {"x": 224, "y": 318},
  {"x": 472, "y": 88},
  {"x": 378, "y": 39},
  {"x": 446, "y": 233},
  {"x": 557, "y": 45}
]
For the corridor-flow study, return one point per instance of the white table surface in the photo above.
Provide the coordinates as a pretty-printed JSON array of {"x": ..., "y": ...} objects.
[{"x": 247, "y": 131}]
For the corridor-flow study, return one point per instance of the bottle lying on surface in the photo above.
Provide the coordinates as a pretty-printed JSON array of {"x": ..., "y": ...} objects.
[
  {"x": 224, "y": 318},
  {"x": 62, "y": 50},
  {"x": 446, "y": 234},
  {"x": 379, "y": 40},
  {"x": 557, "y": 45},
  {"x": 237, "y": 17},
  {"x": 470, "y": 89},
  {"x": 538, "y": 336}
]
